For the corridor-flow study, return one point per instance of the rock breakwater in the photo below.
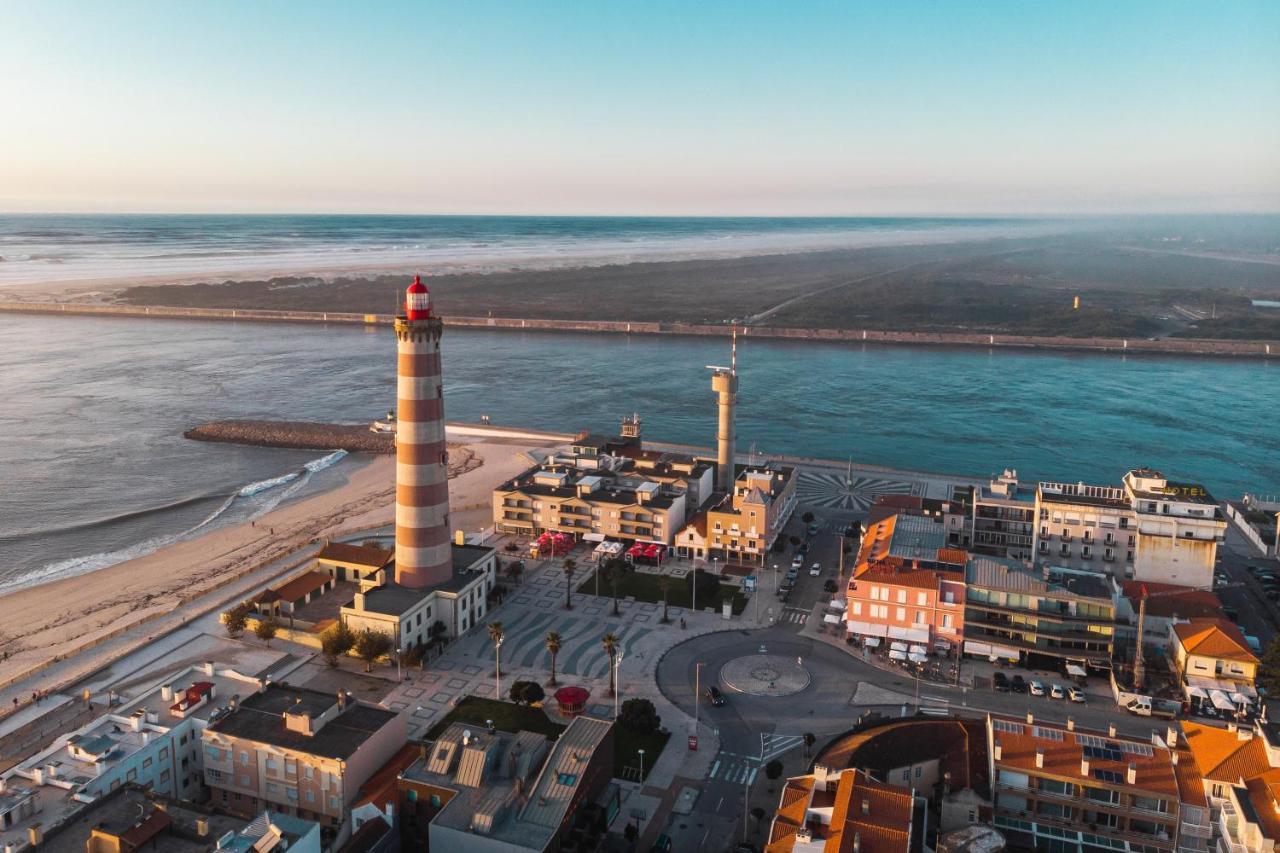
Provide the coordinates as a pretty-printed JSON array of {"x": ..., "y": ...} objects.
[{"x": 299, "y": 435}]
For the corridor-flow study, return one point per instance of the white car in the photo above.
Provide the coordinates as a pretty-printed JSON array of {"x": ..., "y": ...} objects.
[
  {"x": 1076, "y": 694},
  {"x": 797, "y": 562},
  {"x": 1036, "y": 688},
  {"x": 1056, "y": 692},
  {"x": 815, "y": 569}
]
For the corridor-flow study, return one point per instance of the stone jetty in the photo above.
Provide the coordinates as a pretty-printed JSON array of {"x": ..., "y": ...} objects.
[{"x": 301, "y": 435}]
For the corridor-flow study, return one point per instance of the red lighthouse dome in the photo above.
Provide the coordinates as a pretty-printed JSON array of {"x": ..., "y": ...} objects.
[{"x": 417, "y": 300}]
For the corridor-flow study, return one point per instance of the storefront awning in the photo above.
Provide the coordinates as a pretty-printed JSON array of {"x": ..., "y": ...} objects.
[
  {"x": 916, "y": 657},
  {"x": 1076, "y": 670},
  {"x": 973, "y": 647},
  {"x": 832, "y": 619},
  {"x": 918, "y": 650},
  {"x": 899, "y": 647},
  {"x": 1005, "y": 652},
  {"x": 894, "y": 654},
  {"x": 867, "y": 629},
  {"x": 593, "y": 537},
  {"x": 871, "y": 642},
  {"x": 1196, "y": 692},
  {"x": 1221, "y": 701},
  {"x": 911, "y": 635}
]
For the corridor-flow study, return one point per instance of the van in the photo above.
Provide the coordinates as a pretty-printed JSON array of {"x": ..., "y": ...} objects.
[{"x": 1143, "y": 708}]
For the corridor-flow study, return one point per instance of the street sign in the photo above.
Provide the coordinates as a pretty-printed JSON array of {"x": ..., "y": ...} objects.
[{"x": 693, "y": 742}]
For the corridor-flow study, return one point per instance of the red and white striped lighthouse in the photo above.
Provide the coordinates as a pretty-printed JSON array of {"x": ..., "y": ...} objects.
[{"x": 424, "y": 557}]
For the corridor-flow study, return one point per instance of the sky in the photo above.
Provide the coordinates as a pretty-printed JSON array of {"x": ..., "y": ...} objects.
[{"x": 706, "y": 108}]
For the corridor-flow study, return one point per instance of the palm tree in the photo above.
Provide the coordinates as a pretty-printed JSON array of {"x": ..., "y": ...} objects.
[
  {"x": 553, "y": 649},
  {"x": 495, "y": 634},
  {"x": 569, "y": 568},
  {"x": 614, "y": 571},
  {"x": 664, "y": 584},
  {"x": 610, "y": 643}
]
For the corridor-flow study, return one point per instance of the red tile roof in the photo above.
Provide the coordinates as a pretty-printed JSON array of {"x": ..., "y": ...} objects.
[
  {"x": 356, "y": 555},
  {"x": 1226, "y": 756},
  {"x": 302, "y": 585},
  {"x": 869, "y": 815},
  {"x": 1215, "y": 638},
  {"x": 381, "y": 787},
  {"x": 1167, "y": 600}
]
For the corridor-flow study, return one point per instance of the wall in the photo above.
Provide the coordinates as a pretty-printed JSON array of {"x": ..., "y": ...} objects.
[{"x": 1197, "y": 347}]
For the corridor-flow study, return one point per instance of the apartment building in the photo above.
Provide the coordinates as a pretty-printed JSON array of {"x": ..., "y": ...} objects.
[
  {"x": 1039, "y": 619},
  {"x": 909, "y": 540},
  {"x": 297, "y": 751},
  {"x": 1060, "y": 788},
  {"x": 1003, "y": 521},
  {"x": 1085, "y": 527},
  {"x": 955, "y": 515},
  {"x": 741, "y": 526},
  {"x": 832, "y": 811},
  {"x": 481, "y": 790},
  {"x": 1240, "y": 766},
  {"x": 151, "y": 741},
  {"x": 922, "y": 606},
  {"x": 563, "y": 499}
]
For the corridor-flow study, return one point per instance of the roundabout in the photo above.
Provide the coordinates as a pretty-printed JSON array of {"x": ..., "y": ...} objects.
[{"x": 765, "y": 675}]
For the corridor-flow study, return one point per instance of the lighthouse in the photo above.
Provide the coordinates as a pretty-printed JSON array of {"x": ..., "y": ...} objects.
[
  {"x": 423, "y": 552},
  {"x": 724, "y": 382}
]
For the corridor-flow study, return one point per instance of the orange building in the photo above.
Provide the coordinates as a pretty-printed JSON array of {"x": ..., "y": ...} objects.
[
  {"x": 836, "y": 811},
  {"x": 923, "y": 606}
]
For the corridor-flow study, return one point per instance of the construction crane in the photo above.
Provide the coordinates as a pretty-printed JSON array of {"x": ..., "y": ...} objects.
[{"x": 1139, "y": 666}]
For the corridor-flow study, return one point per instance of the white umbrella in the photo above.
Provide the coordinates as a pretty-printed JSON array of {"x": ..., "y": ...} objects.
[
  {"x": 894, "y": 654},
  {"x": 916, "y": 657},
  {"x": 899, "y": 647},
  {"x": 1221, "y": 701},
  {"x": 871, "y": 642},
  {"x": 919, "y": 650}
]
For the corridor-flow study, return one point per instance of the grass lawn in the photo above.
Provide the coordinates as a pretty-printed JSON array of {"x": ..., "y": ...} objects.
[
  {"x": 626, "y": 752},
  {"x": 644, "y": 587},
  {"x": 507, "y": 716}
]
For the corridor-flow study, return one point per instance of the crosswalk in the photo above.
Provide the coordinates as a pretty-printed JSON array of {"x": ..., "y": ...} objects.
[
  {"x": 794, "y": 615},
  {"x": 742, "y": 769}
]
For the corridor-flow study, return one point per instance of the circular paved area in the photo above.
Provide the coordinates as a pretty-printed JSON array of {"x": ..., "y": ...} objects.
[{"x": 765, "y": 675}]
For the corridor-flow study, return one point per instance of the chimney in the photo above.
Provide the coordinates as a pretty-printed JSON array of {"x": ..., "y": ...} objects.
[
  {"x": 1071, "y": 724},
  {"x": 202, "y": 826},
  {"x": 1111, "y": 730},
  {"x": 35, "y": 835},
  {"x": 1173, "y": 756},
  {"x": 166, "y": 692},
  {"x": 1132, "y": 776},
  {"x": 1171, "y": 737},
  {"x": 358, "y": 603},
  {"x": 995, "y": 751},
  {"x": 1039, "y": 757},
  {"x": 1030, "y": 718},
  {"x": 1084, "y": 765}
]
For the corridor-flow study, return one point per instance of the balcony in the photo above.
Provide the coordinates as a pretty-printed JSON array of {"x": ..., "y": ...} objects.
[{"x": 581, "y": 511}]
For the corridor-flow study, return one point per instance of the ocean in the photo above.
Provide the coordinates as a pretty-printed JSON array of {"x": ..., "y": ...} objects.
[
  {"x": 94, "y": 469},
  {"x": 79, "y": 248}
]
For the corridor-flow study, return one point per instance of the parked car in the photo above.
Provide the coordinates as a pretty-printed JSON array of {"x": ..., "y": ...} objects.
[
  {"x": 1036, "y": 687},
  {"x": 813, "y": 530},
  {"x": 1001, "y": 682},
  {"x": 714, "y": 696},
  {"x": 1076, "y": 695},
  {"x": 662, "y": 845},
  {"x": 796, "y": 562},
  {"x": 1018, "y": 684},
  {"x": 803, "y": 549},
  {"x": 1222, "y": 578},
  {"x": 815, "y": 569},
  {"x": 1056, "y": 692}
]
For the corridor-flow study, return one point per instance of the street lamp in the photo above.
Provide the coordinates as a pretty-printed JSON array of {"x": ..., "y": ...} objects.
[
  {"x": 617, "y": 664},
  {"x": 775, "y": 577},
  {"x": 697, "y": 691},
  {"x": 399, "y": 672},
  {"x": 497, "y": 669},
  {"x": 641, "y": 751}
]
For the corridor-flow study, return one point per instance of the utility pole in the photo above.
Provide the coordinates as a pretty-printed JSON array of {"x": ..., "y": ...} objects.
[{"x": 697, "y": 692}]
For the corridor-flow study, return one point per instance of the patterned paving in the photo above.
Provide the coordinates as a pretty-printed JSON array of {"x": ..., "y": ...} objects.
[{"x": 830, "y": 490}]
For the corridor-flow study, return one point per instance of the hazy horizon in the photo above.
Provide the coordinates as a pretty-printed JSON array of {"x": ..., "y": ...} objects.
[{"x": 661, "y": 110}]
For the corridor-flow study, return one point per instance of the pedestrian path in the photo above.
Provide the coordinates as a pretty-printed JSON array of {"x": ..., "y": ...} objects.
[
  {"x": 795, "y": 615},
  {"x": 775, "y": 745},
  {"x": 737, "y": 769}
]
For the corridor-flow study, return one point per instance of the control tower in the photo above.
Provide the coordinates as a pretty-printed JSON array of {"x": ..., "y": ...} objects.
[{"x": 724, "y": 381}]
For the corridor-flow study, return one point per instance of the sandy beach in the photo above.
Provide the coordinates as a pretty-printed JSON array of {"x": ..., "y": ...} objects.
[{"x": 55, "y": 619}]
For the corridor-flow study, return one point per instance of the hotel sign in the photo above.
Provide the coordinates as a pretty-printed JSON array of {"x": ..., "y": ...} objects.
[{"x": 1184, "y": 491}]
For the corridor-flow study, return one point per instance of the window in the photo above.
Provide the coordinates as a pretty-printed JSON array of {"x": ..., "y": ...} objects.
[
  {"x": 164, "y": 753},
  {"x": 273, "y": 788},
  {"x": 333, "y": 803},
  {"x": 922, "y": 598},
  {"x": 131, "y": 775},
  {"x": 164, "y": 777},
  {"x": 311, "y": 796},
  {"x": 244, "y": 758},
  {"x": 435, "y": 801},
  {"x": 146, "y": 763},
  {"x": 308, "y": 772},
  {"x": 902, "y": 596},
  {"x": 900, "y": 613},
  {"x": 919, "y": 617},
  {"x": 946, "y": 620},
  {"x": 411, "y": 795},
  {"x": 857, "y": 608},
  {"x": 566, "y": 778}
]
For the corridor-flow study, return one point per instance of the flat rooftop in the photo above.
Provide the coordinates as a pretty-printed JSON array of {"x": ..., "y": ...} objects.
[{"x": 260, "y": 718}]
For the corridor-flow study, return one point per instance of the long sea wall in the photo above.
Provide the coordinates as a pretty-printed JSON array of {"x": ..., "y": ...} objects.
[{"x": 1164, "y": 346}]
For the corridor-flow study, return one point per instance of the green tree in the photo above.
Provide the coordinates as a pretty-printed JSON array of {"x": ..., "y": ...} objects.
[
  {"x": 570, "y": 566},
  {"x": 614, "y": 571},
  {"x": 1269, "y": 668},
  {"x": 639, "y": 715},
  {"x": 495, "y": 635},
  {"x": 336, "y": 641},
  {"x": 266, "y": 629},
  {"x": 553, "y": 648},
  {"x": 526, "y": 692},
  {"x": 807, "y": 518},
  {"x": 664, "y": 586},
  {"x": 236, "y": 619},
  {"x": 758, "y": 813},
  {"x": 372, "y": 645},
  {"x": 515, "y": 570},
  {"x": 610, "y": 643},
  {"x": 773, "y": 770}
]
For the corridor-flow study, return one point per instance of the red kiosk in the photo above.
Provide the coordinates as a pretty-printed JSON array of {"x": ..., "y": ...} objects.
[{"x": 572, "y": 700}]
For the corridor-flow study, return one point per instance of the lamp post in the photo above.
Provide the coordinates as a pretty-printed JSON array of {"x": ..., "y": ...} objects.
[
  {"x": 497, "y": 669},
  {"x": 399, "y": 672},
  {"x": 617, "y": 664},
  {"x": 775, "y": 577},
  {"x": 697, "y": 691},
  {"x": 641, "y": 751}
]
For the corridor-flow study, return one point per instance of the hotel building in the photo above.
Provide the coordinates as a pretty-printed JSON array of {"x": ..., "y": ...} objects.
[
  {"x": 1004, "y": 513},
  {"x": 1150, "y": 528},
  {"x": 742, "y": 525},
  {"x": 1059, "y": 788}
]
